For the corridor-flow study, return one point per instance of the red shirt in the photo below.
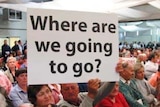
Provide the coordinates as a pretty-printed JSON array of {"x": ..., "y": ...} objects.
[{"x": 120, "y": 101}]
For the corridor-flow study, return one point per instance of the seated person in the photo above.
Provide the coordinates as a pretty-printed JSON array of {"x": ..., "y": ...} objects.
[
  {"x": 18, "y": 94},
  {"x": 20, "y": 61},
  {"x": 11, "y": 69},
  {"x": 154, "y": 77},
  {"x": 141, "y": 58},
  {"x": 73, "y": 98},
  {"x": 158, "y": 90},
  {"x": 40, "y": 96},
  {"x": 128, "y": 87},
  {"x": 4, "y": 100},
  {"x": 56, "y": 91},
  {"x": 151, "y": 66},
  {"x": 5, "y": 82},
  {"x": 143, "y": 86},
  {"x": 114, "y": 99},
  {"x": 24, "y": 65},
  {"x": 2, "y": 64}
]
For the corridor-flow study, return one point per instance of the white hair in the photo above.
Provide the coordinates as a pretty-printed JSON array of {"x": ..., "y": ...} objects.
[
  {"x": 11, "y": 58},
  {"x": 3, "y": 102}
]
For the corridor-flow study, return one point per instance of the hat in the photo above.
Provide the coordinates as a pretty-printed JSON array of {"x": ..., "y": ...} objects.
[{"x": 20, "y": 71}]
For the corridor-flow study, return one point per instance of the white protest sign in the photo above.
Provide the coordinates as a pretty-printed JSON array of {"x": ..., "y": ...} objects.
[{"x": 71, "y": 46}]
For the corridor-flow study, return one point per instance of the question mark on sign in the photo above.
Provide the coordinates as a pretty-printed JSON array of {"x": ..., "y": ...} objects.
[{"x": 99, "y": 62}]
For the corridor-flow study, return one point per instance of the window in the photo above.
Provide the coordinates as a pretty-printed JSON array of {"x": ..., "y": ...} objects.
[{"x": 14, "y": 15}]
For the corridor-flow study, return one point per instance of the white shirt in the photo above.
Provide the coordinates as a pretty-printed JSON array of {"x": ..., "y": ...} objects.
[{"x": 150, "y": 68}]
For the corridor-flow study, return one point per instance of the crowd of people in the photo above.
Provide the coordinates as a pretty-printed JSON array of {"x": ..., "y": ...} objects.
[{"x": 138, "y": 85}]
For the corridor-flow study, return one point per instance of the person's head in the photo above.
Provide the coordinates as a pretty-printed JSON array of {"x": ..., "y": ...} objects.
[
  {"x": 19, "y": 42},
  {"x": 144, "y": 57},
  {"x": 20, "y": 59},
  {"x": 18, "y": 53},
  {"x": 25, "y": 52},
  {"x": 153, "y": 57},
  {"x": 15, "y": 42},
  {"x": 12, "y": 54},
  {"x": 125, "y": 69},
  {"x": 114, "y": 91},
  {"x": 139, "y": 71},
  {"x": 21, "y": 76},
  {"x": 5, "y": 42},
  {"x": 127, "y": 54},
  {"x": 40, "y": 95},
  {"x": 11, "y": 62},
  {"x": 134, "y": 53},
  {"x": 140, "y": 57},
  {"x": 70, "y": 92}
]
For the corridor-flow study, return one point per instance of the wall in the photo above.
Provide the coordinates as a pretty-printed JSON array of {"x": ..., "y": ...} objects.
[
  {"x": 143, "y": 36},
  {"x": 11, "y": 28}
]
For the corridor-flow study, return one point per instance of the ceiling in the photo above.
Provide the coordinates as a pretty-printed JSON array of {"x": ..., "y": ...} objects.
[{"x": 127, "y": 10}]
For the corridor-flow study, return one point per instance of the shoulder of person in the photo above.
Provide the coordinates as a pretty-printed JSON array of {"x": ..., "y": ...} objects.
[{"x": 63, "y": 103}]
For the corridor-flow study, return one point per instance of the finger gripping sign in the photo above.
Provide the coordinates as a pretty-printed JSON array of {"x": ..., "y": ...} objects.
[{"x": 71, "y": 46}]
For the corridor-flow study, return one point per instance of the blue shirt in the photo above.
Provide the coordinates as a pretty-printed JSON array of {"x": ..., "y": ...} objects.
[{"x": 18, "y": 96}]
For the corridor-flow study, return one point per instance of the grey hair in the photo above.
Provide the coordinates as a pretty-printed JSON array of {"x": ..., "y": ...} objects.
[{"x": 9, "y": 58}]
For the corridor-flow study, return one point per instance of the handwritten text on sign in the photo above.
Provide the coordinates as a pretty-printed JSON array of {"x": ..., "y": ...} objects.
[{"x": 71, "y": 46}]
